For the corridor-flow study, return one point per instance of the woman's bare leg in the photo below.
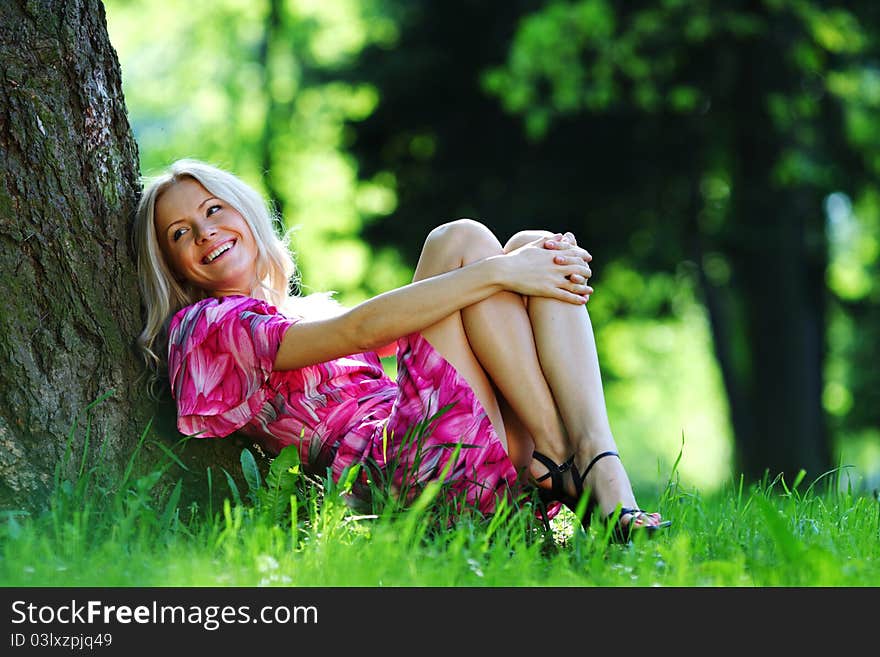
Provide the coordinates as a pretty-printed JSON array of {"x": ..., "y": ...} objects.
[
  {"x": 490, "y": 343},
  {"x": 495, "y": 344},
  {"x": 567, "y": 351}
]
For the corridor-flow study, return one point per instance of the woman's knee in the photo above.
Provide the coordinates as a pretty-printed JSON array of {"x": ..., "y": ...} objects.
[
  {"x": 523, "y": 237},
  {"x": 464, "y": 239}
]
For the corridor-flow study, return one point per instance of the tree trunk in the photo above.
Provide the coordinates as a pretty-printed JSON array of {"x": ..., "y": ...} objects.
[
  {"x": 778, "y": 256},
  {"x": 71, "y": 310}
]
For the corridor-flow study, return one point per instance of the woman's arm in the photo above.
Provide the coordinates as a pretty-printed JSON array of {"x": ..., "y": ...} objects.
[{"x": 530, "y": 270}]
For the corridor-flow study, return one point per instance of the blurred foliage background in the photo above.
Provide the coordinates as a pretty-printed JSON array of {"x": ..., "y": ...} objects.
[{"x": 718, "y": 158}]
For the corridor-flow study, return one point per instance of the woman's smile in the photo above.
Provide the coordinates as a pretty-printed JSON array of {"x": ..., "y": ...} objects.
[{"x": 219, "y": 252}]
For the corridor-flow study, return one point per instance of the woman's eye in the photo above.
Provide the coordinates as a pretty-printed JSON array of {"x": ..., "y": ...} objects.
[
  {"x": 177, "y": 233},
  {"x": 213, "y": 209}
]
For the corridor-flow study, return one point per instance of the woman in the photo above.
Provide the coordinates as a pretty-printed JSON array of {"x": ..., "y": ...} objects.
[{"x": 495, "y": 354}]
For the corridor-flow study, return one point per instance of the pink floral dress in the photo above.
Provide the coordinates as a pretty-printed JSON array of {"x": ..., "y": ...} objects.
[{"x": 339, "y": 413}]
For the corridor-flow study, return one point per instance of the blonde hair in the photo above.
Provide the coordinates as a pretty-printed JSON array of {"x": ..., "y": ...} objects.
[{"x": 164, "y": 294}]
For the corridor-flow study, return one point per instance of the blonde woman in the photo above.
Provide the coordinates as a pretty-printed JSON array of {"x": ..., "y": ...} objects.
[{"x": 496, "y": 356}]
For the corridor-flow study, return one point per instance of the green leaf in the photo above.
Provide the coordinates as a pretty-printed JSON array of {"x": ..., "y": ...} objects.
[
  {"x": 130, "y": 465},
  {"x": 281, "y": 482},
  {"x": 171, "y": 455},
  {"x": 236, "y": 496},
  {"x": 100, "y": 399},
  {"x": 775, "y": 526},
  {"x": 145, "y": 484},
  {"x": 349, "y": 479},
  {"x": 171, "y": 507},
  {"x": 251, "y": 471}
]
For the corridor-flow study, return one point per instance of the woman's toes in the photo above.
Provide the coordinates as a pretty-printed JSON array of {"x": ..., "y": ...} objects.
[
  {"x": 643, "y": 519},
  {"x": 640, "y": 520},
  {"x": 652, "y": 519}
]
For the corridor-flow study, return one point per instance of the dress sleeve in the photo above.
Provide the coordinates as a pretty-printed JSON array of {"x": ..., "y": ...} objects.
[{"x": 219, "y": 360}]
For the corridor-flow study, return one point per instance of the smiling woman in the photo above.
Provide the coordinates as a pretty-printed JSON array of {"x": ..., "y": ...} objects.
[
  {"x": 177, "y": 226},
  {"x": 495, "y": 356},
  {"x": 205, "y": 241}
]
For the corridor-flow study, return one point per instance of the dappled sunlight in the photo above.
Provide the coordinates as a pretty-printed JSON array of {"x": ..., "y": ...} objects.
[
  {"x": 720, "y": 161},
  {"x": 859, "y": 455},
  {"x": 343, "y": 28},
  {"x": 281, "y": 101},
  {"x": 188, "y": 97},
  {"x": 662, "y": 387}
]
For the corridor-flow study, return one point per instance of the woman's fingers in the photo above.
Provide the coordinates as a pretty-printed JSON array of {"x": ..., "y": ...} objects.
[
  {"x": 570, "y": 251},
  {"x": 578, "y": 270},
  {"x": 571, "y": 297},
  {"x": 565, "y": 289},
  {"x": 562, "y": 275},
  {"x": 578, "y": 287},
  {"x": 568, "y": 236}
]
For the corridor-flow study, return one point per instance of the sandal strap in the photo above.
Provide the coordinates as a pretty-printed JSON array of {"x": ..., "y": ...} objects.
[
  {"x": 554, "y": 471},
  {"x": 621, "y": 532},
  {"x": 635, "y": 513},
  {"x": 579, "y": 480},
  {"x": 583, "y": 477}
]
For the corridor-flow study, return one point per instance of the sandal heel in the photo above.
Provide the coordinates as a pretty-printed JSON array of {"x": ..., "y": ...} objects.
[{"x": 555, "y": 472}]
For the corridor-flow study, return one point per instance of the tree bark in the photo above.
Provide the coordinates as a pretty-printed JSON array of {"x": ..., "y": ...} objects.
[{"x": 71, "y": 309}]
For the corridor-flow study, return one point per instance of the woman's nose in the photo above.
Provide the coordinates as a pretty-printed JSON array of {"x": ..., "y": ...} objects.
[{"x": 204, "y": 230}]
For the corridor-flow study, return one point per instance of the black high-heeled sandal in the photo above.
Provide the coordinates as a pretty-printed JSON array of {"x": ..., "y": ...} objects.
[
  {"x": 579, "y": 487},
  {"x": 557, "y": 493},
  {"x": 555, "y": 472}
]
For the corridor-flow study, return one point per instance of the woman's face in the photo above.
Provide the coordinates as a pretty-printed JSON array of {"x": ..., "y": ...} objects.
[{"x": 205, "y": 241}]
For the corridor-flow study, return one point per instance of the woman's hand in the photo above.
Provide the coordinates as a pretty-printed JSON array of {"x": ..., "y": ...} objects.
[
  {"x": 550, "y": 267},
  {"x": 568, "y": 243}
]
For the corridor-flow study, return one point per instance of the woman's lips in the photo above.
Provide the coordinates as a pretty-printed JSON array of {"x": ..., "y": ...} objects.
[{"x": 207, "y": 261}]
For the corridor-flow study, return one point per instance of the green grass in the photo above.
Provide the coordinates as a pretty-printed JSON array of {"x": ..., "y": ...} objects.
[{"x": 290, "y": 530}]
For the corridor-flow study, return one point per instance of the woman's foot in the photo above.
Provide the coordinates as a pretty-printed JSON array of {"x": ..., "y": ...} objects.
[
  {"x": 606, "y": 485},
  {"x": 605, "y": 480},
  {"x": 629, "y": 521}
]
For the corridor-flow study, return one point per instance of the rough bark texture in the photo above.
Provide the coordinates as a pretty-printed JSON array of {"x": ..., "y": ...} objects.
[{"x": 70, "y": 311}]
